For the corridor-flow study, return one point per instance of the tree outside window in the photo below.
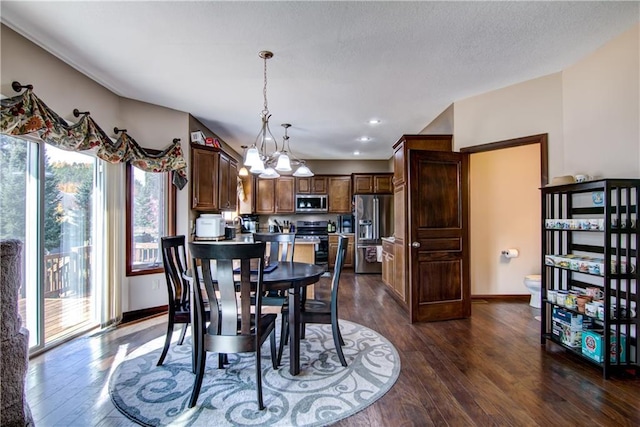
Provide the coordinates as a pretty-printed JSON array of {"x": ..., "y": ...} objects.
[{"x": 150, "y": 216}]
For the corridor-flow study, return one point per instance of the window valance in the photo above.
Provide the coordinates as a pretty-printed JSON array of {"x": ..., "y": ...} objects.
[{"x": 27, "y": 114}]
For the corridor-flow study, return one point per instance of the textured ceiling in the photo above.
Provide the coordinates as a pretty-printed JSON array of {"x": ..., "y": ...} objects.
[{"x": 336, "y": 64}]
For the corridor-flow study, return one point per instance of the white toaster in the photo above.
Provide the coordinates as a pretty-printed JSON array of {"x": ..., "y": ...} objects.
[{"x": 210, "y": 225}]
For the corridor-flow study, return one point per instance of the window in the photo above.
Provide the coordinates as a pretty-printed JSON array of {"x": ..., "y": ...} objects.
[{"x": 151, "y": 211}]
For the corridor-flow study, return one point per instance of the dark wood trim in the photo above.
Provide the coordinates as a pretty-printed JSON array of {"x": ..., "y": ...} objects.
[
  {"x": 541, "y": 139},
  {"x": 132, "y": 316},
  {"x": 518, "y": 297}
]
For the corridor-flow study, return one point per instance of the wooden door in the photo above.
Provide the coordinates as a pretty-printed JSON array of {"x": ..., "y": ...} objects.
[{"x": 438, "y": 236}]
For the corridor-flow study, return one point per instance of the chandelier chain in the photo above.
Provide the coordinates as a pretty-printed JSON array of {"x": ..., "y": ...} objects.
[{"x": 265, "y": 111}]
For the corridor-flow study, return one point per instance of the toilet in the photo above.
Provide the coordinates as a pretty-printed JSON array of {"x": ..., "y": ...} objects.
[{"x": 533, "y": 283}]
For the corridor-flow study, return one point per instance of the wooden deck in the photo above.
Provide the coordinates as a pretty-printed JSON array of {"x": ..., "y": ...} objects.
[{"x": 63, "y": 316}]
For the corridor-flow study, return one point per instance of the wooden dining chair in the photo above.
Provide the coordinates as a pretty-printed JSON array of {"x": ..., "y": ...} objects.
[
  {"x": 321, "y": 311},
  {"x": 174, "y": 261},
  {"x": 281, "y": 247},
  {"x": 240, "y": 326}
]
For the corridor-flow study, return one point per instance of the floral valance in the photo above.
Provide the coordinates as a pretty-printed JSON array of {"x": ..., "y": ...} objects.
[{"x": 27, "y": 114}]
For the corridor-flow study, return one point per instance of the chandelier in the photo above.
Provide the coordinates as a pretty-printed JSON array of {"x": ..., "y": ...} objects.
[{"x": 258, "y": 157}]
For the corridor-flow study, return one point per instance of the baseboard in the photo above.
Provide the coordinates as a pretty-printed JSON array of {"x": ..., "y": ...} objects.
[
  {"x": 525, "y": 297},
  {"x": 132, "y": 316}
]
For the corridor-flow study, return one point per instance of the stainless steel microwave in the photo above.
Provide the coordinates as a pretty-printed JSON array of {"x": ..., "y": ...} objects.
[{"x": 311, "y": 203}]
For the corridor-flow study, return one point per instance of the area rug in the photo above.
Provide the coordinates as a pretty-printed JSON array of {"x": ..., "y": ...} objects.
[{"x": 323, "y": 393}]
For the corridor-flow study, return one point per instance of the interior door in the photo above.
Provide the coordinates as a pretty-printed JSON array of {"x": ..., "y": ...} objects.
[{"x": 438, "y": 236}]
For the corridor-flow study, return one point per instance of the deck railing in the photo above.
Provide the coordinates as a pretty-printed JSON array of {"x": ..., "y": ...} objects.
[{"x": 69, "y": 273}]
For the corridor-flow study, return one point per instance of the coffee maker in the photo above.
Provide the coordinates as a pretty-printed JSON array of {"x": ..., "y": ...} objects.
[{"x": 345, "y": 223}]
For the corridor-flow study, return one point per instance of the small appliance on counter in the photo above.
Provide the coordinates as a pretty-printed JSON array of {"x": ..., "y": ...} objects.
[
  {"x": 210, "y": 226},
  {"x": 250, "y": 224},
  {"x": 345, "y": 224}
]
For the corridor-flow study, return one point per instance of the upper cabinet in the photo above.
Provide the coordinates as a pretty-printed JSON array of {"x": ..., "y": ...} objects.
[
  {"x": 228, "y": 176},
  {"x": 275, "y": 195},
  {"x": 379, "y": 183},
  {"x": 339, "y": 194},
  {"x": 213, "y": 179},
  {"x": 204, "y": 178},
  {"x": 312, "y": 185}
]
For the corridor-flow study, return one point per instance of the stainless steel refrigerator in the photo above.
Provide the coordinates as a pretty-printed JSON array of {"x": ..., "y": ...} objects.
[{"x": 373, "y": 218}]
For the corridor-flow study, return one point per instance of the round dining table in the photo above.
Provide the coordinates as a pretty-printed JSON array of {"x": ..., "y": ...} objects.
[{"x": 293, "y": 277}]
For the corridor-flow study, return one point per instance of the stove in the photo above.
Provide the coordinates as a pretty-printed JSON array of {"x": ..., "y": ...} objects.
[{"x": 316, "y": 230}]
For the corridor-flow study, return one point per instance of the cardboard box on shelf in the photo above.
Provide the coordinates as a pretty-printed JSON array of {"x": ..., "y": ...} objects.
[
  {"x": 592, "y": 347},
  {"x": 567, "y": 327}
]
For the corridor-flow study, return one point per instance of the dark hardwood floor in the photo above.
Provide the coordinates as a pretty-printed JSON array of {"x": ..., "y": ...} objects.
[{"x": 486, "y": 370}]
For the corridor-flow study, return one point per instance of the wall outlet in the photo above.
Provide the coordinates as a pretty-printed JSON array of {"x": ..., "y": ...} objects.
[{"x": 155, "y": 284}]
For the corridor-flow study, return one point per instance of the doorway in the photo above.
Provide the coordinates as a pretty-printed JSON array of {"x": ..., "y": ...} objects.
[{"x": 504, "y": 200}]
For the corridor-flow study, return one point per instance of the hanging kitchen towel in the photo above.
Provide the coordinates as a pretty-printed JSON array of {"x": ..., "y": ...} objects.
[
  {"x": 379, "y": 253},
  {"x": 370, "y": 254}
]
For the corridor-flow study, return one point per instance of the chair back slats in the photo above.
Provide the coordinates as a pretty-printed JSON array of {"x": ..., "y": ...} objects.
[
  {"x": 174, "y": 261},
  {"x": 337, "y": 271},
  {"x": 281, "y": 245},
  {"x": 234, "y": 329}
]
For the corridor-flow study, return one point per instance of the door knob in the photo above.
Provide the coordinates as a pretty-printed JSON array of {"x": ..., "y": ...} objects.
[{"x": 415, "y": 245}]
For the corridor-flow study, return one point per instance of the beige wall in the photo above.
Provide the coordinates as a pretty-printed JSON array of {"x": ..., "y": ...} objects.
[
  {"x": 591, "y": 114},
  {"x": 63, "y": 88},
  {"x": 505, "y": 213},
  {"x": 601, "y": 111},
  {"x": 441, "y": 125}
]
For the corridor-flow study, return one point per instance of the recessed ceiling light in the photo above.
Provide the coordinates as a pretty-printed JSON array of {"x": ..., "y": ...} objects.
[
  {"x": 374, "y": 122},
  {"x": 356, "y": 153},
  {"x": 364, "y": 139}
]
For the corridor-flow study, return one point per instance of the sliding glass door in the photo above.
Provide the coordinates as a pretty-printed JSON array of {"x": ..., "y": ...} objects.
[{"x": 47, "y": 199}]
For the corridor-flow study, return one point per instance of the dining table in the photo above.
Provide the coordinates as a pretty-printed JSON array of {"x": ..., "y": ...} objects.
[{"x": 293, "y": 277}]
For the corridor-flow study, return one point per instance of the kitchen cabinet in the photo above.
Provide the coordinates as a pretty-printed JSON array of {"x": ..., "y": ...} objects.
[
  {"x": 311, "y": 185},
  {"x": 388, "y": 272},
  {"x": 275, "y": 195},
  {"x": 213, "y": 179},
  {"x": 339, "y": 194},
  {"x": 204, "y": 178},
  {"x": 349, "y": 257},
  {"x": 589, "y": 251},
  {"x": 228, "y": 176},
  {"x": 379, "y": 183}
]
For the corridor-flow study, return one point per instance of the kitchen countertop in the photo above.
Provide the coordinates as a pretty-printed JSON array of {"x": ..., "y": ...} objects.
[{"x": 248, "y": 237}]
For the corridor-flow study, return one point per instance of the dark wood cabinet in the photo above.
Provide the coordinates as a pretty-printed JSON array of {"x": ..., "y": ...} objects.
[
  {"x": 379, "y": 183},
  {"x": 213, "y": 179},
  {"x": 228, "y": 176},
  {"x": 349, "y": 256},
  {"x": 275, "y": 195},
  {"x": 204, "y": 179},
  {"x": 339, "y": 194},
  {"x": 311, "y": 185}
]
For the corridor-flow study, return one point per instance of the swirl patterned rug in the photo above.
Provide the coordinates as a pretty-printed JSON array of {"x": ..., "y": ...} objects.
[{"x": 323, "y": 393}]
